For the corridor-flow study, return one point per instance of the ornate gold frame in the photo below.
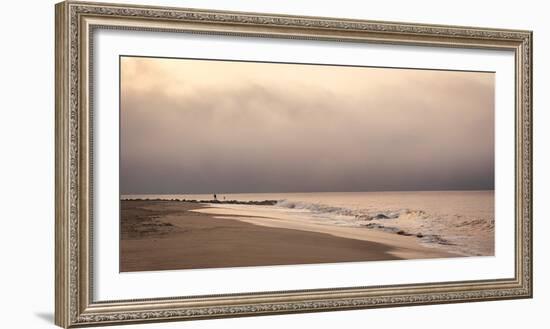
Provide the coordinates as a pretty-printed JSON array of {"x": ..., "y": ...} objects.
[{"x": 75, "y": 23}]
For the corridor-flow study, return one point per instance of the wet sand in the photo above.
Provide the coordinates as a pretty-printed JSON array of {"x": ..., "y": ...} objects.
[{"x": 169, "y": 235}]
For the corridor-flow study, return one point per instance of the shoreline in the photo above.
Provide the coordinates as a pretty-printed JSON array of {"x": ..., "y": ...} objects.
[
  {"x": 404, "y": 246},
  {"x": 169, "y": 235}
]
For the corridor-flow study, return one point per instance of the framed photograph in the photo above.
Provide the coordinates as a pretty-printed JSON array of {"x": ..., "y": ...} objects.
[{"x": 219, "y": 164}]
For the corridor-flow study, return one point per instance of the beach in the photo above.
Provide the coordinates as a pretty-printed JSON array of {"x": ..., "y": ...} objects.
[{"x": 170, "y": 235}]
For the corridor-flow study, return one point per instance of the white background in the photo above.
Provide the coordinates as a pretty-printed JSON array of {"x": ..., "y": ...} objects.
[
  {"x": 111, "y": 285},
  {"x": 27, "y": 166}
]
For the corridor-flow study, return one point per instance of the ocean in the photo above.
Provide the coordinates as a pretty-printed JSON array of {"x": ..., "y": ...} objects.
[{"x": 461, "y": 222}]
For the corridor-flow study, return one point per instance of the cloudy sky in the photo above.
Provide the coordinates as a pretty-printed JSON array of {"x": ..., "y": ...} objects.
[{"x": 194, "y": 126}]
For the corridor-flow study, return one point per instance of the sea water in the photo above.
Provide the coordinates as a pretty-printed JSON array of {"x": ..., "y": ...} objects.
[{"x": 458, "y": 221}]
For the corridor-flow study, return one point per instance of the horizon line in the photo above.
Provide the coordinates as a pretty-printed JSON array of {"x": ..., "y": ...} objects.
[{"x": 458, "y": 190}]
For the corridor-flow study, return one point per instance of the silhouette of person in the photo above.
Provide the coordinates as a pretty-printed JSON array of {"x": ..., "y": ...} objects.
[{"x": 215, "y": 197}]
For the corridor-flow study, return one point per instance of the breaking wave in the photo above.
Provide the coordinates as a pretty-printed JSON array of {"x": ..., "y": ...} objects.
[
  {"x": 450, "y": 231},
  {"x": 358, "y": 214}
]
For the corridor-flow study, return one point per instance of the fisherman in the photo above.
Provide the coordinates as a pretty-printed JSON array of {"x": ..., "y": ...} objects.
[{"x": 215, "y": 197}]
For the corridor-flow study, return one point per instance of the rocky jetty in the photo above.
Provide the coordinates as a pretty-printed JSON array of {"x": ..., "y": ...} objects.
[{"x": 254, "y": 203}]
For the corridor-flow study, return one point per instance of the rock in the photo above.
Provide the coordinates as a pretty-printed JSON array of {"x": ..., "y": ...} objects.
[{"x": 381, "y": 216}]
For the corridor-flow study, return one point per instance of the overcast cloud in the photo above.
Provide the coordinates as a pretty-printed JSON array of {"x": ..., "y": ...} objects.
[{"x": 191, "y": 126}]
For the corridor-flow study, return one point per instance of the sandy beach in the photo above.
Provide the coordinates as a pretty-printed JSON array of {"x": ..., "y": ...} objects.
[{"x": 167, "y": 235}]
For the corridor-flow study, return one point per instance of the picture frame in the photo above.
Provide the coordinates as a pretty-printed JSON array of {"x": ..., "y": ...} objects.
[{"x": 76, "y": 22}]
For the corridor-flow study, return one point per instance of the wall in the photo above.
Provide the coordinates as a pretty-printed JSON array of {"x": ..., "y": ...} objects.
[{"x": 27, "y": 140}]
